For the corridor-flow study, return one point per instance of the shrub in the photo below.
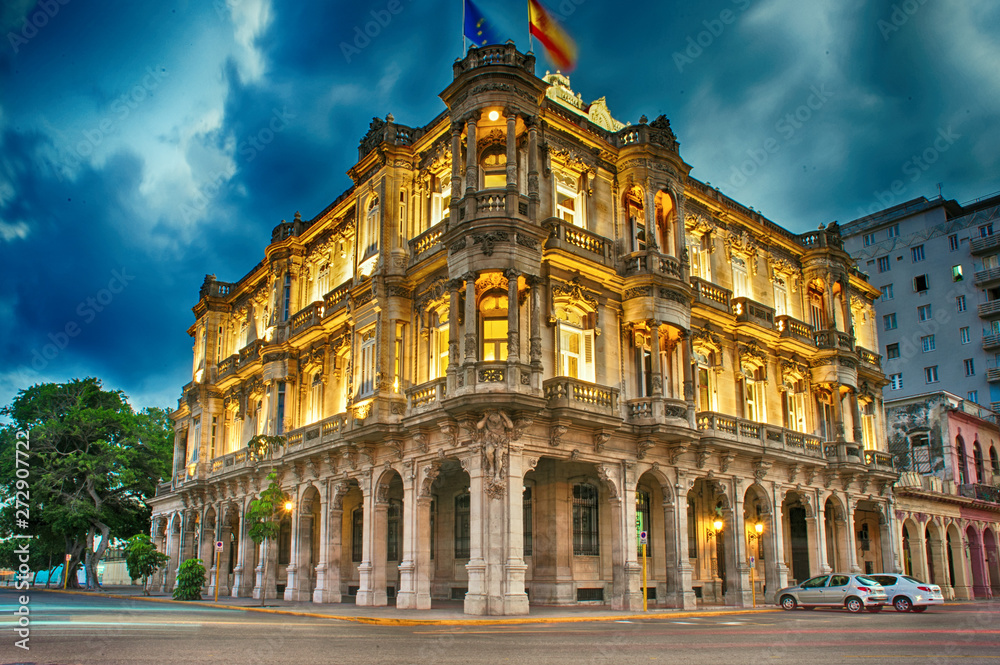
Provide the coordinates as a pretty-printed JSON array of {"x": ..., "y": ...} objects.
[{"x": 190, "y": 580}]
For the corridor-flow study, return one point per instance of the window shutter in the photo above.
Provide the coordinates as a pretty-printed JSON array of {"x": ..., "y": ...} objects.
[
  {"x": 589, "y": 371},
  {"x": 560, "y": 361}
]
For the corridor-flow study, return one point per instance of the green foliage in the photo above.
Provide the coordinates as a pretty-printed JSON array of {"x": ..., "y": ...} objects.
[
  {"x": 92, "y": 464},
  {"x": 142, "y": 559},
  {"x": 262, "y": 447},
  {"x": 190, "y": 580},
  {"x": 264, "y": 515}
]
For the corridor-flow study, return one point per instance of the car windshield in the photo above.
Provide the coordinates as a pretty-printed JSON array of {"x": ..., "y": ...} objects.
[
  {"x": 866, "y": 581},
  {"x": 912, "y": 579}
]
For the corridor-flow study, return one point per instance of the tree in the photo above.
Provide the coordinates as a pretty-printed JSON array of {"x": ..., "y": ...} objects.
[
  {"x": 92, "y": 463},
  {"x": 190, "y": 580},
  {"x": 264, "y": 517},
  {"x": 142, "y": 559}
]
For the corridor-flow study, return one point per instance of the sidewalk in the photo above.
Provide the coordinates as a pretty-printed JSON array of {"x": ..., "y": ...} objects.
[{"x": 442, "y": 612}]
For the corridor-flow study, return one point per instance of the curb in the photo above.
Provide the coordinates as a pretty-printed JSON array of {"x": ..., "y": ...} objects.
[{"x": 393, "y": 621}]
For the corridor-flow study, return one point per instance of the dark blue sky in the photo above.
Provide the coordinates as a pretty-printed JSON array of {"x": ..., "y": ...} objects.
[{"x": 143, "y": 145}]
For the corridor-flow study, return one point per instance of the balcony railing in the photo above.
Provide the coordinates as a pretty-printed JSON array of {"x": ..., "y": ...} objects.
[
  {"x": 993, "y": 375},
  {"x": 834, "y": 339},
  {"x": 759, "y": 434},
  {"x": 228, "y": 366},
  {"x": 985, "y": 276},
  {"x": 565, "y": 392},
  {"x": 711, "y": 295},
  {"x": 652, "y": 262},
  {"x": 427, "y": 394},
  {"x": 427, "y": 241},
  {"x": 336, "y": 299},
  {"x": 980, "y": 492},
  {"x": 878, "y": 459},
  {"x": 991, "y": 308},
  {"x": 991, "y": 341},
  {"x": 790, "y": 328},
  {"x": 749, "y": 311},
  {"x": 977, "y": 245},
  {"x": 311, "y": 315},
  {"x": 869, "y": 357},
  {"x": 655, "y": 408},
  {"x": 572, "y": 238}
]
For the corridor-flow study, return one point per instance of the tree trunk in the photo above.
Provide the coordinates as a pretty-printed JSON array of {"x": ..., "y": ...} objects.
[
  {"x": 263, "y": 574},
  {"x": 98, "y": 554},
  {"x": 48, "y": 578}
]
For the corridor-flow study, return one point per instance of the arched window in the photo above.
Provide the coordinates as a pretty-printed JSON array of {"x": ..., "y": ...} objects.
[
  {"x": 586, "y": 535},
  {"x": 962, "y": 461},
  {"x": 665, "y": 220},
  {"x": 357, "y": 534},
  {"x": 494, "y": 166},
  {"x": 462, "y": 526},
  {"x": 994, "y": 463},
  {"x": 439, "y": 344},
  {"x": 977, "y": 454},
  {"x": 636, "y": 215},
  {"x": 493, "y": 312}
]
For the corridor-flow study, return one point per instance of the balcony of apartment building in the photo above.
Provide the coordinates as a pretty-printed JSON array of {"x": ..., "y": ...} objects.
[
  {"x": 750, "y": 312},
  {"x": 240, "y": 363},
  {"x": 984, "y": 244},
  {"x": 582, "y": 244},
  {"x": 307, "y": 325},
  {"x": 711, "y": 295}
]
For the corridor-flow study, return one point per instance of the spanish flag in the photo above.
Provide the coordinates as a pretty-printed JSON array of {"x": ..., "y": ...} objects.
[{"x": 558, "y": 44}]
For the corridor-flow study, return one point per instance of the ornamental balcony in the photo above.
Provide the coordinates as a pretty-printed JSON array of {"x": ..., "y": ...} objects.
[
  {"x": 652, "y": 262},
  {"x": 490, "y": 203},
  {"x": 578, "y": 242},
  {"x": 309, "y": 316},
  {"x": 582, "y": 400},
  {"x": 758, "y": 435},
  {"x": 795, "y": 330},
  {"x": 750, "y": 311},
  {"x": 428, "y": 243},
  {"x": 869, "y": 359},
  {"x": 652, "y": 410},
  {"x": 710, "y": 294},
  {"x": 834, "y": 339},
  {"x": 980, "y": 492},
  {"x": 236, "y": 363},
  {"x": 427, "y": 395}
]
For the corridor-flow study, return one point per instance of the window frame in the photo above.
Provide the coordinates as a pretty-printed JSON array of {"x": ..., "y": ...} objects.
[{"x": 586, "y": 519}]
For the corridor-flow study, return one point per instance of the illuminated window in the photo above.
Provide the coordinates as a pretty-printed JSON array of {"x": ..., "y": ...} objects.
[
  {"x": 569, "y": 203},
  {"x": 794, "y": 404},
  {"x": 868, "y": 426},
  {"x": 494, "y": 165},
  {"x": 754, "y": 400},
  {"x": 441, "y": 200},
  {"x": 741, "y": 279},
  {"x": 369, "y": 231},
  {"x": 780, "y": 298},
  {"x": 575, "y": 345},
  {"x": 493, "y": 308},
  {"x": 366, "y": 383},
  {"x": 956, "y": 273},
  {"x": 636, "y": 215}
]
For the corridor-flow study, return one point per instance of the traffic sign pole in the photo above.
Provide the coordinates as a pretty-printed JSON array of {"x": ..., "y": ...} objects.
[
  {"x": 644, "y": 590},
  {"x": 218, "y": 557}
]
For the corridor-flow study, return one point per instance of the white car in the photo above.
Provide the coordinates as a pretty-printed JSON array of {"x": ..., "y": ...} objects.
[{"x": 908, "y": 593}]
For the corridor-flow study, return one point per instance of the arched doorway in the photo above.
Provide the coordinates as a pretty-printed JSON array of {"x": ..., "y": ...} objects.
[
  {"x": 937, "y": 558},
  {"x": 758, "y": 524},
  {"x": 654, "y": 514},
  {"x": 958, "y": 570},
  {"x": 711, "y": 546},
  {"x": 869, "y": 544},
  {"x": 992, "y": 560},
  {"x": 980, "y": 584},
  {"x": 795, "y": 510},
  {"x": 304, "y": 546},
  {"x": 836, "y": 533}
]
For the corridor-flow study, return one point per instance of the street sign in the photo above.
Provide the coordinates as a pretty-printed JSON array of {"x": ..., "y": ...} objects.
[
  {"x": 218, "y": 546},
  {"x": 752, "y": 562},
  {"x": 68, "y": 557},
  {"x": 643, "y": 538}
]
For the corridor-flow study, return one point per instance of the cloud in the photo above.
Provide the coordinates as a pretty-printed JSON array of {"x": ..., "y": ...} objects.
[{"x": 251, "y": 19}]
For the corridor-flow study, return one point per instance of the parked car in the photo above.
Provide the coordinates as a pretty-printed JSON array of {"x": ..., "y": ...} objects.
[
  {"x": 853, "y": 592},
  {"x": 908, "y": 593}
]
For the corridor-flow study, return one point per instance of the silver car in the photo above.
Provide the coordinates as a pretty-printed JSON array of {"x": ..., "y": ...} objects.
[
  {"x": 908, "y": 593},
  {"x": 851, "y": 591}
]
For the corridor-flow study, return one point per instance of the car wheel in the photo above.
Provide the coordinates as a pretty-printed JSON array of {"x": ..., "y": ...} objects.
[
  {"x": 902, "y": 604},
  {"x": 788, "y": 603},
  {"x": 854, "y": 605},
  {"x": 874, "y": 609},
  {"x": 920, "y": 608}
]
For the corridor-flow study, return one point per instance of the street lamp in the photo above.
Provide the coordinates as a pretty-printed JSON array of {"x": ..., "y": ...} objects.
[
  {"x": 716, "y": 528},
  {"x": 288, "y": 506}
]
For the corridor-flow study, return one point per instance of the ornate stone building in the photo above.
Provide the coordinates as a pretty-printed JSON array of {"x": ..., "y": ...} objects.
[{"x": 524, "y": 334}]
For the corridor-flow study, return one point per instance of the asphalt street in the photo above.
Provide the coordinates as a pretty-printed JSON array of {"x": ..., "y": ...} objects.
[{"x": 68, "y": 629}]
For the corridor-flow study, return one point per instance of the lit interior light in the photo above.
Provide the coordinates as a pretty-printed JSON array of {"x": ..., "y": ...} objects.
[{"x": 494, "y": 116}]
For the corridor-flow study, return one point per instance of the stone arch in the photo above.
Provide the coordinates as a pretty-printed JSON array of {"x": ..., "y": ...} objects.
[
  {"x": 304, "y": 544},
  {"x": 761, "y": 545},
  {"x": 958, "y": 570},
  {"x": 871, "y": 540},
  {"x": 977, "y": 561},
  {"x": 665, "y": 214},
  {"x": 655, "y": 514},
  {"x": 912, "y": 553},
  {"x": 992, "y": 552},
  {"x": 799, "y": 540}
]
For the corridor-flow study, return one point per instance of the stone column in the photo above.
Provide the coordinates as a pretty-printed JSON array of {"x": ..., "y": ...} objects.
[
  {"x": 243, "y": 574},
  {"x": 300, "y": 587},
  {"x": 456, "y": 171},
  {"x": 687, "y": 353},
  {"x": 415, "y": 568},
  {"x": 328, "y": 573},
  {"x": 292, "y": 569},
  {"x": 515, "y": 600},
  {"x": 852, "y": 547},
  {"x": 776, "y": 569},
  {"x": 625, "y": 567},
  {"x": 856, "y": 418},
  {"x": 471, "y": 329},
  {"x": 939, "y": 555},
  {"x": 654, "y": 349},
  {"x": 817, "y": 557},
  {"x": 324, "y": 545},
  {"x": 743, "y": 596},
  {"x": 535, "y": 331},
  {"x": 821, "y": 544},
  {"x": 367, "y": 588},
  {"x": 888, "y": 528},
  {"x": 684, "y": 598},
  {"x": 451, "y": 372},
  {"x": 471, "y": 165},
  {"x": 918, "y": 556},
  {"x": 532, "y": 124},
  {"x": 180, "y": 448},
  {"x": 513, "y": 319},
  {"x": 511, "y": 197},
  {"x": 476, "y": 598}
]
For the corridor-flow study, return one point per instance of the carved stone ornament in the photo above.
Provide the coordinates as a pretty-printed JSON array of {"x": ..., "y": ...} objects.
[
  {"x": 493, "y": 434},
  {"x": 745, "y": 244}
]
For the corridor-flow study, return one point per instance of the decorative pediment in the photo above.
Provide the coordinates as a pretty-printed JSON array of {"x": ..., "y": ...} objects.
[
  {"x": 744, "y": 244},
  {"x": 490, "y": 281},
  {"x": 753, "y": 355},
  {"x": 783, "y": 268},
  {"x": 699, "y": 225}
]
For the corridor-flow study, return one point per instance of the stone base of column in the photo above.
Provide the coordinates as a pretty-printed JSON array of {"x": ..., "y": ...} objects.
[
  {"x": 476, "y": 602},
  {"x": 962, "y": 592},
  {"x": 327, "y": 590},
  {"x": 296, "y": 588},
  {"x": 515, "y": 604}
]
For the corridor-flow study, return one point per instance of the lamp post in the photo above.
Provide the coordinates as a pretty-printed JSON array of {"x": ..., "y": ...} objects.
[{"x": 752, "y": 537}]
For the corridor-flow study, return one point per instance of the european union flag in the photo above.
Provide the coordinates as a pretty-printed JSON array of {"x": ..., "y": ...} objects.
[{"x": 477, "y": 27}]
